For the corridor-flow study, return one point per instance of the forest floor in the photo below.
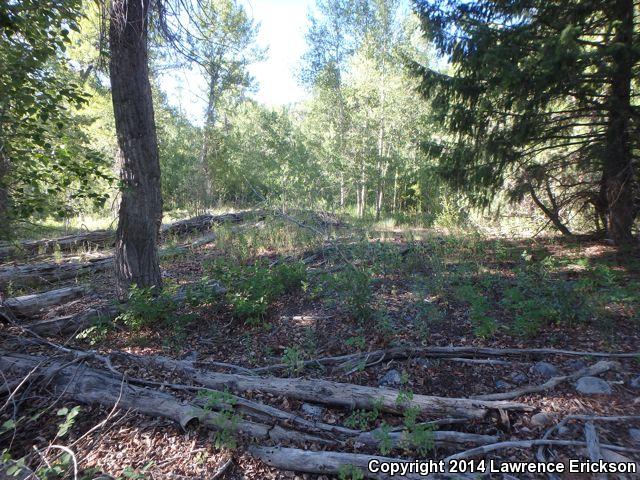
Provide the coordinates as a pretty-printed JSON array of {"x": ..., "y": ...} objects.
[{"x": 299, "y": 289}]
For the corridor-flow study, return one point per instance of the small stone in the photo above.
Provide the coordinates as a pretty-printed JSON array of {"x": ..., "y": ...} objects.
[
  {"x": 502, "y": 385},
  {"x": 541, "y": 419},
  {"x": 576, "y": 365},
  {"x": 424, "y": 363},
  {"x": 519, "y": 378},
  {"x": 593, "y": 386},
  {"x": 545, "y": 369},
  {"x": 390, "y": 379},
  {"x": 314, "y": 411},
  {"x": 563, "y": 430},
  {"x": 635, "y": 383},
  {"x": 634, "y": 433}
]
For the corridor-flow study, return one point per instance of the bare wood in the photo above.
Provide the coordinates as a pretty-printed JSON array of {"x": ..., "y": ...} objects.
[
  {"x": 347, "y": 362},
  {"x": 28, "y": 305},
  {"x": 523, "y": 444},
  {"x": 51, "y": 272},
  {"x": 330, "y": 463},
  {"x": 90, "y": 386},
  {"x": 96, "y": 238},
  {"x": 338, "y": 394},
  {"x": 596, "y": 369},
  {"x": 593, "y": 445}
]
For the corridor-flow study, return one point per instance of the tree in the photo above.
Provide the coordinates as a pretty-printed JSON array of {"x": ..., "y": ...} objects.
[
  {"x": 223, "y": 45},
  {"x": 46, "y": 164},
  {"x": 540, "y": 98},
  {"x": 140, "y": 214}
]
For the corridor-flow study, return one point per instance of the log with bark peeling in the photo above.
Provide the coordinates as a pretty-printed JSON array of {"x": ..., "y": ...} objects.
[
  {"x": 326, "y": 392},
  {"x": 29, "y": 305},
  {"x": 202, "y": 223}
]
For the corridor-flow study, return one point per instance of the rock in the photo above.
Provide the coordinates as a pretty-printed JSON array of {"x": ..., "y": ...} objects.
[
  {"x": 424, "y": 363},
  {"x": 519, "y": 378},
  {"x": 314, "y": 411},
  {"x": 635, "y": 383},
  {"x": 545, "y": 369},
  {"x": 634, "y": 433},
  {"x": 563, "y": 430},
  {"x": 390, "y": 379},
  {"x": 593, "y": 386},
  {"x": 576, "y": 365},
  {"x": 541, "y": 419},
  {"x": 502, "y": 385}
]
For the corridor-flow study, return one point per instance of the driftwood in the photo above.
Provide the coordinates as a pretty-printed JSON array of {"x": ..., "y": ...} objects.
[
  {"x": 343, "y": 395},
  {"x": 51, "y": 272},
  {"x": 28, "y": 305},
  {"x": 596, "y": 369}
]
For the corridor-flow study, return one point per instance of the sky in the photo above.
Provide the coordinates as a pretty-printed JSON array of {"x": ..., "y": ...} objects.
[{"x": 283, "y": 24}]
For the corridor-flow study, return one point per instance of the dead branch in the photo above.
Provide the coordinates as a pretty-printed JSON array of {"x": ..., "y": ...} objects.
[{"x": 596, "y": 369}]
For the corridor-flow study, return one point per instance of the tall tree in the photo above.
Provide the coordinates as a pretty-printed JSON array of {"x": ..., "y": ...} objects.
[
  {"x": 140, "y": 213},
  {"x": 540, "y": 99},
  {"x": 223, "y": 44},
  {"x": 46, "y": 165}
]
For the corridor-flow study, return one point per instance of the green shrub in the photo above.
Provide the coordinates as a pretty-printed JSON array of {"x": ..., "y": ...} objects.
[{"x": 145, "y": 307}]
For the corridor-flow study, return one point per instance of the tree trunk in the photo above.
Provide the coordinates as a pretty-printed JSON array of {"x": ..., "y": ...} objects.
[
  {"x": 552, "y": 215},
  {"x": 5, "y": 230},
  {"x": 140, "y": 213},
  {"x": 618, "y": 167}
]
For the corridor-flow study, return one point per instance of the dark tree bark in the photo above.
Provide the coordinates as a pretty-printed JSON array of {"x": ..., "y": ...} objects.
[
  {"x": 140, "y": 213},
  {"x": 5, "y": 224},
  {"x": 618, "y": 167}
]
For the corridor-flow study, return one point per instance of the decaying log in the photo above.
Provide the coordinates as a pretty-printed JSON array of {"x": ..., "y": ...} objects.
[
  {"x": 326, "y": 392},
  {"x": 28, "y": 305},
  {"x": 96, "y": 238},
  {"x": 106, "y": 238},
  {"x": 51, "y": 272},
  {"x": 73, "y": 323},
  {"x": 331, "y": 463},
  {"x": 91, "y": 386},
  {"x": 205, "y": 222},
  {"x": 596, "y": 369},
  {"x": 103, "y": 313},
  {"x": 348, "y": 362},
  {"x": 593, "y": 446}
]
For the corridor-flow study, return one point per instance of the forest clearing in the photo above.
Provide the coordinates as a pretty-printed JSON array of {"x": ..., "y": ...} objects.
[{"x": 414, "y": 255}]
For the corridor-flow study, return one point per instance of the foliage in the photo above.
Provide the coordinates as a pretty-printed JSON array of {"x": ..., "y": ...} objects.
[
  {"x": 252, "y": 288},
  {"x": 538, "y": 100},
  {"x": 225, "y": 419},
  {"x": 146, "y": 307},
  {"x": 46, "y": 163}
]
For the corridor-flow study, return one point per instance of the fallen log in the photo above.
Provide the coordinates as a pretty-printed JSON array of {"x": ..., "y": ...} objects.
[
  {"x": 106, "y": 238},
  {"x": 28, "y": 305},
  {"x": 596, "y": 369},
  {"x": 104, "y": 313},
  {"x": 350, "y": 361},
  {"x": 51, "y": 272},
  {"x": 96, "y": 238},
  {"x": 334, "y": 463},
  {"x": 90, "y": 386},
  {"x": 205, "y": 222},
  {"x": 326, "y": 392}
]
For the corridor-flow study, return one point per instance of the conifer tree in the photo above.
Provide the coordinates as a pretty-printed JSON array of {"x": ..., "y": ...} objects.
[{"x": 541, "y": 100}]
